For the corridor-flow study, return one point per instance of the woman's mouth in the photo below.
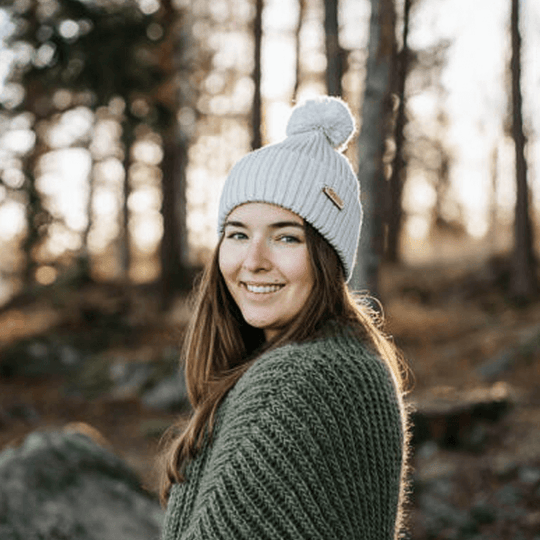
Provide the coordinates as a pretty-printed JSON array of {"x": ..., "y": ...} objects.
[{"x": 262, "y": 289}]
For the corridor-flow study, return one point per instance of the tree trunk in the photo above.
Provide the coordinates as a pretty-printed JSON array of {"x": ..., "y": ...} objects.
[
  {"x": 176, "y": 57},
  {"x": 174, "y": 243},
  {"x": 493, "y": 210},
  {"x": 376, "y": 110},
  {"x": 83, "y": 259},
  {"x": 334, "y": 53},
  {"x": 399, "y": 172},
  {"x": 128, "y": 137},
  {"x": 256, "y": 111},
  {"x": 33, "y": 236},
  {"x": 442, "y": 186},
  {"x": 297, "y": 44},
  {"x": 523, "y": 283},
  {"x": 37, "y": 217}
]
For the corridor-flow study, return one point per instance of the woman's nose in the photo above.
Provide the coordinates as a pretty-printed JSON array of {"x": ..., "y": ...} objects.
[{"x": 257, "y": 257}]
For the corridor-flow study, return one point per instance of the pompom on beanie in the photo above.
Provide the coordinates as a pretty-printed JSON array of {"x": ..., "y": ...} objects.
[{"x": 307, "y": 174}]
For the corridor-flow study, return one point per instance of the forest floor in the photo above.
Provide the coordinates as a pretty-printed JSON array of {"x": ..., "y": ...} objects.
[{"x": 455, "y": 327}]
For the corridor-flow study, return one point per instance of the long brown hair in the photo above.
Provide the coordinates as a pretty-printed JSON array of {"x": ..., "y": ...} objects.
[{"x": 220, "y": 346}]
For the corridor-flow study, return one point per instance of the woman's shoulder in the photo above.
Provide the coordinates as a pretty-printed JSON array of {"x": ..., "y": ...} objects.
[
  {"x": 338, "y": 358},
  {"x": 335, "y": 377},
  {"x": 336, "y": 346}
]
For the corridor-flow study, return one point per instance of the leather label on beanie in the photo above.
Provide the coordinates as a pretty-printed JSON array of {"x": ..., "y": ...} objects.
[{"x": 334, "y": 197}]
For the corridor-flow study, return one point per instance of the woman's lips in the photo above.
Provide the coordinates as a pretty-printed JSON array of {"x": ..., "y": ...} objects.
[{"x": 262, "y": 288}]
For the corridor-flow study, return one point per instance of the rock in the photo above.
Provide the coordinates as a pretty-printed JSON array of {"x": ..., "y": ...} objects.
[
  {"x": 529, "y": 475},
  {"x": 527, "y": 345},
  {"x": 64, "y": 485},
  {"x": 435, "y": 471},
  {"x": 22, "y": 411},
  {"x": 509, "y": 495},
  {"x": 504, "y": 465},
  {"x": 440, "y": 515},
  {"x": 168, "y": 395},
  {"x": 69, "y": 356},
  {"x": 123, "y": 378},
  {"x": 494, "y": 367},
  {"x": 483, "y": 512},
  {"x": 434, "y": 488},
  {"x": 129, "y": 378},
  {"x": 533, "y": 520},
  {"x": 458, "y": 419},
  {"x": 91, "y": 380},
  {"x": 426, "y": 451},
  {"x": 38, "y": 357}
]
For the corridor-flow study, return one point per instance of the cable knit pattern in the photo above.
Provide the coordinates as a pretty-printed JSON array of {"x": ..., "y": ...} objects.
[{"x": 308, "y": 445}]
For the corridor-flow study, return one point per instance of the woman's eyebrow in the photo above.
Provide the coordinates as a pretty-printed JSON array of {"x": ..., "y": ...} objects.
[
  {"x": 282, "y": 224},
  {"x": 276, "y": 225},
  {"x": 234, "y": 224}
]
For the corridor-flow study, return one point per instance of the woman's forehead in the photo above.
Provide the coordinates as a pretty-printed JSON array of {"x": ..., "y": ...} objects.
[{"x": 262, "y": 212}]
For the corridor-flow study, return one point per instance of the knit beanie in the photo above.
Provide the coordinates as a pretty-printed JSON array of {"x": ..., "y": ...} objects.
[{"x": 307, "y": 174}]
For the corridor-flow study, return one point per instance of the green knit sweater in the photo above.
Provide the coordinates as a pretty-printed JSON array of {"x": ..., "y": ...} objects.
[{"x": 308, "y": 445}]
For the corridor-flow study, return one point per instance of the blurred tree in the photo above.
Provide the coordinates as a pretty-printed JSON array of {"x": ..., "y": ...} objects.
[
  {"x": 335, "y": 55},
  {"x": 376, "y": 114},
  {"x": 177, "y": 56},
  {"x": 124, "y": 241},
  {"x": 83, "y": 258},
  {"x": 297, "y": 47},
  {"x": 398, "y": 174},
  {"x": 97, "y": 53},
  {"x": 37, "y": 217},
  {"x": 428, "y": 156},
  {"x": 493, "y": 205},
  {"x": 523, "y": 281},
  {"x": 447, "y": 213},
  {"x": 417, "y": 145},
  {"x": 256, "y": 112},
  {"x": 92, "y": 52}
]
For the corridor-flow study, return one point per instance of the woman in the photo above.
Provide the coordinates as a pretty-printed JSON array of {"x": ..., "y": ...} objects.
[{"x": 298, "y": 427}]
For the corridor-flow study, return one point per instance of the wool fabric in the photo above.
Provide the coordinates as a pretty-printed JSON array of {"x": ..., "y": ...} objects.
[
  {"x": 307, "y": 174},
  {"x": 307, "y": 445}
]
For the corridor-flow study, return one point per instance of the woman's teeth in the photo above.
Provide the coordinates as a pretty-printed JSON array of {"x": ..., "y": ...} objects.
[{"x": 263, "y": 288}]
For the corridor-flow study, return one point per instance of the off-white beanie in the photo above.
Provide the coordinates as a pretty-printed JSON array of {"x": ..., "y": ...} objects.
[{"x": 307, "y": 174}]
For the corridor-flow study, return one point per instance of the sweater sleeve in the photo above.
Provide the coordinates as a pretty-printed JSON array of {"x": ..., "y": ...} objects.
[{"x": 309, "y": 447}]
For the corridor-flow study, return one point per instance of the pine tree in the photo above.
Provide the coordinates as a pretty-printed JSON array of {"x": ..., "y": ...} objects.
[
  {"x": 523, "y": 281},
  {"x": 376, "y": 113}
]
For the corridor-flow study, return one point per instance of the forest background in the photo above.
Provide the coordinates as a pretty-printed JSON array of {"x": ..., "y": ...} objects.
[{"x": 119, "y": 120}]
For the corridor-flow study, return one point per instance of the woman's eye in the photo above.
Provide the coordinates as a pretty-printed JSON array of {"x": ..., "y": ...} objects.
[
  {"x": 237, "y": 236},
  {"x": 288, "y": 239}
]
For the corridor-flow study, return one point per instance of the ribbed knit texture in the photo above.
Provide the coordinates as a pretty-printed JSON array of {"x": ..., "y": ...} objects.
[{"x": 308, "y": 445}]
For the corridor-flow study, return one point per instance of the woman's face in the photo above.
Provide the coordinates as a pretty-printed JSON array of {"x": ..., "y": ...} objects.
[{"x": 265, "y": 262}]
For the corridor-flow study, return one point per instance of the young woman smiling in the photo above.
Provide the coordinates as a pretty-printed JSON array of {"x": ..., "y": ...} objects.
[
  {"x": 264, "y": 261},
  {"x": 298, "y": 428}
]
